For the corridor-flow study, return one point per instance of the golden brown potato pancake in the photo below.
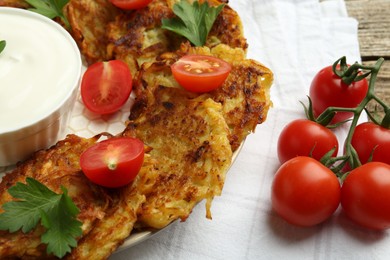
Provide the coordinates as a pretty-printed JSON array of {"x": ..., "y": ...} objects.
[
  {"x": 54, "y": 167},
  {"x": 192, "y": 135},
  {"x": 14, "y": 3},
  {"x": 137, "y": 37},
  {"x": 118, "y": 222},
  {"x": 89, "y": 19},
  {"x": 244, "y": 96},
  {"x": 189, "y": 139},
  {"x": 107, "y": 216}
]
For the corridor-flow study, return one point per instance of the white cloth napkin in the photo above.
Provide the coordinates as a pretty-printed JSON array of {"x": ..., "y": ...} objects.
[{"x": 295, "y": 39}]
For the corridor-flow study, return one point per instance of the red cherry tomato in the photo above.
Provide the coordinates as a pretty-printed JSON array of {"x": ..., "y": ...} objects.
[
  {"x": 327, "y": 90},
  {"x": 365, "y": 195},
  {"x": 305, "y": 192},
  {"x": 369, "y": 137},
  {"x": 200, "y": 73},
  {"x": 302, "y": 137},
  {"x": 130, "y": 4},
  {"x": 106, "y": 86},
  {"x": 114, "y": 162}
]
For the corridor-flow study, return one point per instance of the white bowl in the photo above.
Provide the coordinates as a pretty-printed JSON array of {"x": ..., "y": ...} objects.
[{"x": 40, "y": 70}]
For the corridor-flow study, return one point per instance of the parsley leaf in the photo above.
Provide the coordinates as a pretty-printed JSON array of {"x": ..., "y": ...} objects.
[
  {"x": 193, "y": 21},
  {"x": 2, "y": 45},
  {"x": 50, "y": 9},
  {"x": 57, "y": 213}
]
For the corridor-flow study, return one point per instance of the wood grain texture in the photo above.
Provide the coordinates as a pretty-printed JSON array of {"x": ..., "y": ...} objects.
[
  {"x": 374, "y": 26},
  {"x": 374, "y": 39}
]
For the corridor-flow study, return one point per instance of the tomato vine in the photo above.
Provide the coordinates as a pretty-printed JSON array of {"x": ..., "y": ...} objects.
[
  {"x": 338, "y": 94},
  {"x": 351, "y": 74}
]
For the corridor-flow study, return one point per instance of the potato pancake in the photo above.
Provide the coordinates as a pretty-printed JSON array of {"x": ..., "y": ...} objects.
[
  {"x": 14, "y": 3},
  {"x": 89, "y": 19},
  {"x": 137, "y": 37},
  {"x": 55, "y": 167},
  {"x": 244, "y": 96},
  {"x": 110, "y": 232},
  {"x": 186, "y": 134},
  {"x": 189, "y": 139},
  {"x": 107, "y": 215}
]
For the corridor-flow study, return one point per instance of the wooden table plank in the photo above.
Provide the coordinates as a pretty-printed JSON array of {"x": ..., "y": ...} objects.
[
  {"x": 374, "y": 26},
  {"x": 374, "y": 39}
]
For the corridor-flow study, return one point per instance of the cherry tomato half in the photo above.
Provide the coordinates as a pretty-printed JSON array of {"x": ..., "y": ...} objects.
[
  {"x": 327, "y": 90},
  {"x": 304, "y": 137},
  {"x": 369, "y": 137},
  {"x": 200, "y": 73},
  {"x": 114, "y": 162},
  {"x": 305, "y": 192},
  {"x": 106, "y": 86},
  {"x": 130, "y": 4},
  {"x": 365, "y": 195}
]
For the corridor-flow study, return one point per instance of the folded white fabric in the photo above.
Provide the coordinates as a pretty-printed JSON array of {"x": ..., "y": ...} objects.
[{"x": 295, "y": 39}]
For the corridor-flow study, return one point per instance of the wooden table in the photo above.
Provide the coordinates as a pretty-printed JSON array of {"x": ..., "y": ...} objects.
[{"x": 374, "y": 39}]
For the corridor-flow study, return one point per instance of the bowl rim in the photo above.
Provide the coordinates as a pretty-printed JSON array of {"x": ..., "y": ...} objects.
[{"x": 47, "y": 118}]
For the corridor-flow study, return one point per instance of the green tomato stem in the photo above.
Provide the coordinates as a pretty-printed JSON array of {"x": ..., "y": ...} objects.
[
  {"x": 354, "y": 158},
  {"x": 350, "y": 74},
  {"x": 386, "y": 120}
]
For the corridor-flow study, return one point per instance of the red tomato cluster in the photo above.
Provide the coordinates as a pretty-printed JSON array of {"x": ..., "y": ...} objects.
[{"x": 304, "y": 191}]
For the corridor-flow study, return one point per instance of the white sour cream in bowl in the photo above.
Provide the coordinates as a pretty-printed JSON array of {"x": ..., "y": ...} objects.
[{"x": 40, "y": 70}]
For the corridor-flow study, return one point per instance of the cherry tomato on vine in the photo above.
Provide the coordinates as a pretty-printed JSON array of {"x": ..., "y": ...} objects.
[
  {"x": 365, "y": 195},
  {"x": 327, "y": 90},
  {"x": 106, "y": 86},
  {"x": 200, "y": 73},
  {"x": 114, "y": 162},
  {"x": 369, "y": 137},
  {"x": 305, "y": 192},
  {"x": 304, "y": 137},
  {"x": 130, "y": 4}
]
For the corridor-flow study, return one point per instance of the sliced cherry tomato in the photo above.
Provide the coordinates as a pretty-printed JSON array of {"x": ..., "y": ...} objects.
[
  {"x": 304, "y": 137},
  {"x": 200, "y": 73},
  {"x": 114, "y": 162},
  {"x": 327, "y": 90},
  {"x": 369, "y": 138},
  {"x": 305, "y": 192},
  {"x": 106, "y": 86},
  {"x": 365, "y": 195},
  {"x": 130, "y": 4}
]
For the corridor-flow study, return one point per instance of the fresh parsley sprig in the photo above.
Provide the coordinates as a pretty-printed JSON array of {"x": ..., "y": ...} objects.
[
  {"x": 193, "y": 21},
  {"x": 2, "y": 45},
  {"x": 50, "y": 9},
  {"x": 57, "y": 213}
]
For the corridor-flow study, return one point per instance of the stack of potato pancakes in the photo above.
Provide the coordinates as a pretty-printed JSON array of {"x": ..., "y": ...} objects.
[{"x": 190, "y": 138}]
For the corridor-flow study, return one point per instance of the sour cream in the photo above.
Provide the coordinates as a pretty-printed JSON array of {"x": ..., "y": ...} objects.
[
  {"x": 37, "y": 68},
  {"x": 40, "y": 70}
]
